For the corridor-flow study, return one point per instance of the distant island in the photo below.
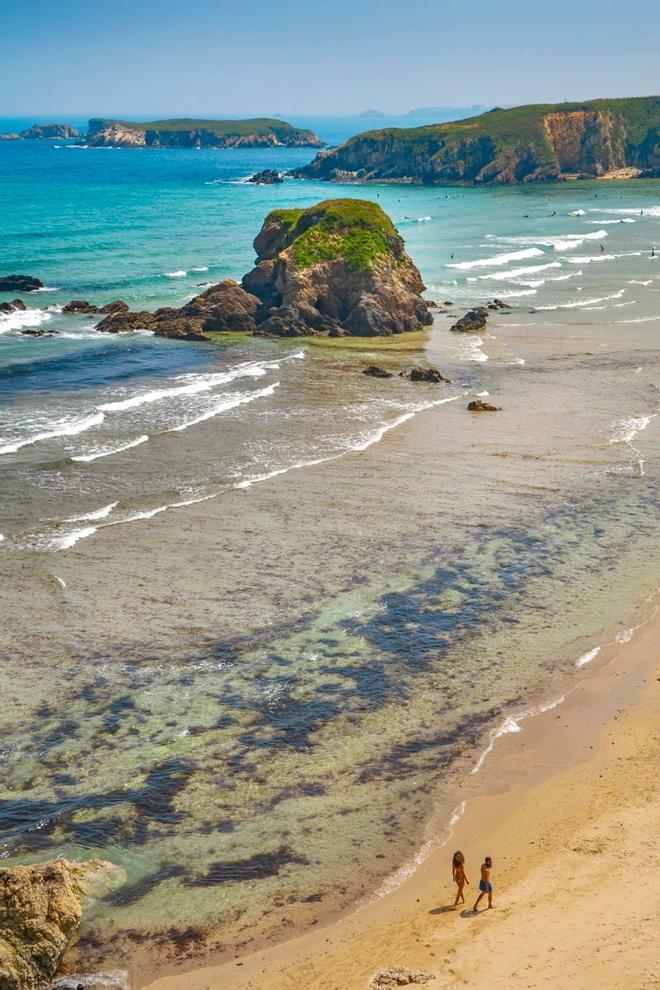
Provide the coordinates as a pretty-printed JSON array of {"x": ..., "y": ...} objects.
[
  {"x": 437, "y": 114},
  {"x": 188, "y": 132},
  {"x": 548, "y": 142}
]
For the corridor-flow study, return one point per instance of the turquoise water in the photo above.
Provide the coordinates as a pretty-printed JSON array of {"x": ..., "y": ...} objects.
[{"x": 258, "y": 608}]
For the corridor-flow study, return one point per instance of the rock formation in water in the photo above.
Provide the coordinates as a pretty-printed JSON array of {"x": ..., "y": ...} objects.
[
  {"x": 191, "y": 133},
  {"x": 66, "y": 132},
  {"x": 267, "y": 177},
  {"x": 473, "y": 321},
  {"x": 338, "y": 268},
  {"x": 478, "y": 405},
  {"x": 40, "y": 911},
  {"x": 11, "y": 307},
  {"x": 20, "y": 283},
  {"x": 538, "y": 143}
]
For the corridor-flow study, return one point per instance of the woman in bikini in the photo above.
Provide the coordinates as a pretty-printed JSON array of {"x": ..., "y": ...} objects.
[{"x": 459, "y": 876}]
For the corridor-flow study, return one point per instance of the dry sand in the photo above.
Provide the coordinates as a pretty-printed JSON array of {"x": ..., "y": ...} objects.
[{"x": 571, "y": 817}]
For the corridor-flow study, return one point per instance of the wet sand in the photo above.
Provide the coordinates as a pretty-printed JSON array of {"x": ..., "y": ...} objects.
[{"x": 569, "y": 811}]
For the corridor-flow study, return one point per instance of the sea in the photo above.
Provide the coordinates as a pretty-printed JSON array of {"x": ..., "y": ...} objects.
[{"x": 263, "y": 616}]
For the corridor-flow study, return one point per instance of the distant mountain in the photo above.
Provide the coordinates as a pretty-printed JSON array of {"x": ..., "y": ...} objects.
[
  {"x": 617, "y": 138},
  {"x": 261, "y": 132},
  {"x": 442, "y": 114},
  {"x": 372, "y": 113}
]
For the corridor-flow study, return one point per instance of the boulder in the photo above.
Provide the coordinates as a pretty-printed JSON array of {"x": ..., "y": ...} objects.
[
  {"x": 30, "y": 332},
  {"x": 478, "y": 405},
  {"x": 473, "y": 321},
  {"x": 12, "y": 307},
  {"x": 268, "y": 177},
  {"x": 20, "y": 283},
  {"x": 425, "y": 375},
  {"x": 374, "y": 371},
  {"x": 122, "y": 322},
  {"x": 79, "y": 306},
  {"x": 40, "y": 910},
  {"x": 224, "y": 307}
]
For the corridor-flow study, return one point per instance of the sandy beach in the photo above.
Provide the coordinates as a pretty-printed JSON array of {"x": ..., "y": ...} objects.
[{"x": 570, "y": 815}]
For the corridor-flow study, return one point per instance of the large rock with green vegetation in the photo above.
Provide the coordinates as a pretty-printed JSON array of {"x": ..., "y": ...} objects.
[
  {"x": 538, "y": 143},
  {"x": 261, "y": 132},
  {"x": 40, "y": 910},
  {"x": 338, "y": 268}
]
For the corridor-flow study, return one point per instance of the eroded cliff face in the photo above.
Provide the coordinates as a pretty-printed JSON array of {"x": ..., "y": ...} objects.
[{"x": 588, "y": 143}]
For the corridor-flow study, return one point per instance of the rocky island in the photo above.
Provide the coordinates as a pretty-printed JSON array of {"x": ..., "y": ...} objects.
[
  {"x": 65, "y": 132},
  {"x": 336, "y": 269},
  {"x": 262, "y": 132},
  {"x": 538, "y": 143}
]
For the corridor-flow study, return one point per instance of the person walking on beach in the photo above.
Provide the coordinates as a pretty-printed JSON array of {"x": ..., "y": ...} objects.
[
  {"x": 459, "y": 876},
  {"x": 485, "y": 884}
]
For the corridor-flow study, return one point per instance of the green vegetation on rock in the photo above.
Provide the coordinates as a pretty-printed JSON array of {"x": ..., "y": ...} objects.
[{"x": 356, "y": 231}]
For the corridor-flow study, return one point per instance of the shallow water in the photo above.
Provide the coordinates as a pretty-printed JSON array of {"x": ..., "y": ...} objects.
[{"x": 260, "y": 612}]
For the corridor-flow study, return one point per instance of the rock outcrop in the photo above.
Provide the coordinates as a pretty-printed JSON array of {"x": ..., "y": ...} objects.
[
  {"x": 399, "y": 976},
  {"x": 375, "y": 371},
  {"x": 40, "y": 911},
  {"x": 478, "y": 405},
  {"x": 538, "y": 143},
  {"x": 20, "y": 283},
  {"x": 338, "y": 268},
  {"x": 473, "y": 321},
  {"x": 82, "y": 307},
  {"x": 424, "y": 375},
  {"x": 267, "y": 177},
  {"x": 12, "y": 307},
  {"x": 191, "y": 133}
]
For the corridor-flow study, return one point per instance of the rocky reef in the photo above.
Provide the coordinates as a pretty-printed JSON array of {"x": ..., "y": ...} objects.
[
  {"x": 20, "y": 283},
  {"x": 338, "y": 269},
  {"x": 267, "y": 177},
  {"x": 192, "y": 133},
  {"x": 40, "y": 910},
  {"x": 537, "y": 143}
]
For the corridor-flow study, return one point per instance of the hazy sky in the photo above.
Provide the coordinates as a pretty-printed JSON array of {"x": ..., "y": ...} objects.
[{"x": 304, "y": 56}]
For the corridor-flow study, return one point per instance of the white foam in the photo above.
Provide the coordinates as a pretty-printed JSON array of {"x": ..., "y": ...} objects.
[
  {"x": 179, "y": 274},
  {"x": 193, "y": 384},
  {"x": 520, "y": 272},
  {"x": 224, "y": 406},
  {"x": 60, "y": 581},
  {"x": 21, "y": 318},
  {"x": 647, "y": 211},
  {"x": 515, "y": 294},
  {"x": 512, "y": 724},
  {"x": 70, "y": 539},
  {"x": 498, "y": 259},
  {"x": 604, "y": 223},
  {"x": 200, "y": 268},
  {"x": 482, "y": 395},
  {"x": 108, "y": 451},
  {"x": 624, "y": 636},
  {"x": 581, "y": 303},
  {"x": 636, "y": 281},
  {"x": 470, "y": 350},
  {"x": 96, "y": 514},
  {"x": 627, "y": 429},
  {"x": 63, "y": 429},
  {"x": 559, "y": 242},
  {"x": 588, "y": 657}
]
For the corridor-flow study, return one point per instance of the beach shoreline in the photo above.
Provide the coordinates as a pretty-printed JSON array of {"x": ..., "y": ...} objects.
[{"x": 551, "y": 800}]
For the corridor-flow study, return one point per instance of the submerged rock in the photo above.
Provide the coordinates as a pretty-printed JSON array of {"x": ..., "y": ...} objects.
[
  {"x": 478, "y": 405},
  {"x": 473, "y": 321},
  {"x": 425, "y": 375},
  {"x": 267, "y": 177},
  {"x": 374, "y": 371},
  {"x": 20, "y": 283},
  {"x": 40, "y": 911}
]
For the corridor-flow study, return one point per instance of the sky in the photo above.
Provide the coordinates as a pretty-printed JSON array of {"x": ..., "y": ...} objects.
[{"x": 215, "y": 57}]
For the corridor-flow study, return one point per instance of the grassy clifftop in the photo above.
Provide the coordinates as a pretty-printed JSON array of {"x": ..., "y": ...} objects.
[
  {"x": 190, "y": 131},
  {"x": 539, "y": 142}
]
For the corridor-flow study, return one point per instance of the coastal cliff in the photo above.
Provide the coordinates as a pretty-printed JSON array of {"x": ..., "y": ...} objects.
[
  {"x": 66, "y": 132},
  {"x": 192, "y": 133},
  {"x": 336, "y": 269},
  {"x": 538, "y": 143}
]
